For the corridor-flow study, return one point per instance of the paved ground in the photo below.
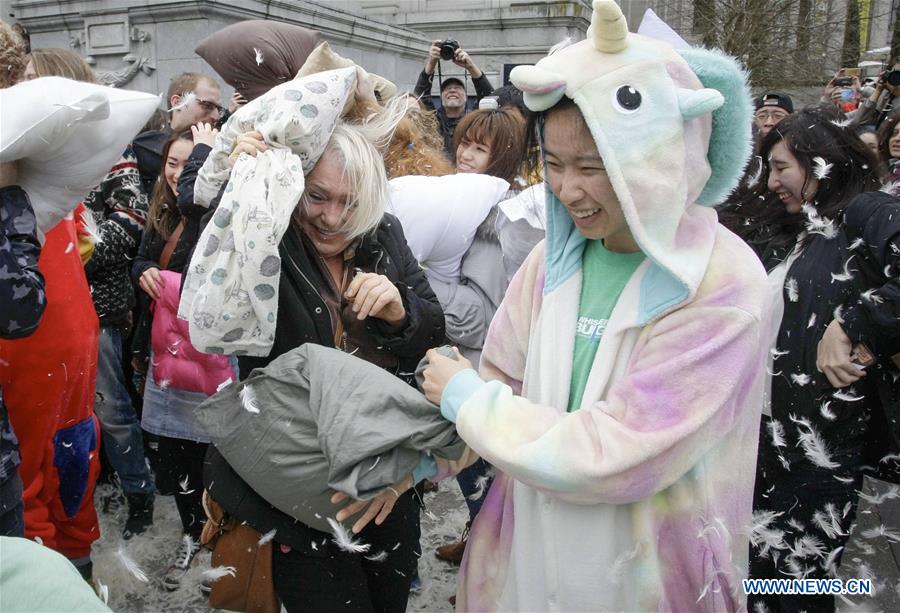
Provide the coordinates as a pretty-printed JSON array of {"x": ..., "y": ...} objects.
[
  {"x": 873, "y": 551},
  {"x": 152, "y": 552}
]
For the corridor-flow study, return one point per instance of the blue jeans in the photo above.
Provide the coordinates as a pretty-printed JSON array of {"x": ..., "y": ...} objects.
[
  {"x": 119, "y": 424},
  {"x": 468, "y": 485}
]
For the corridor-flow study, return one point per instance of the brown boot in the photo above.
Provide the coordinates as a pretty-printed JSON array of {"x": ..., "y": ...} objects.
[{"x": 453, "y": 553}]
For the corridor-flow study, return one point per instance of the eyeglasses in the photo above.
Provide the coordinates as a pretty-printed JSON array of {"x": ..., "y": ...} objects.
[
  {"x": 209, "y": 106},
  {"x": 776, "y": 115}
]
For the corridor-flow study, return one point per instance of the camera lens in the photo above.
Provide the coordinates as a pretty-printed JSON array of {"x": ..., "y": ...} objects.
[
  {"x": 448, "y": 49},
  {"x": 893, "y": 78}
]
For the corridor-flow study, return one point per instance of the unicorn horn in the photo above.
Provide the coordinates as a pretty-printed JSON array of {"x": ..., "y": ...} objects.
[{"x": 609, "y": 31}]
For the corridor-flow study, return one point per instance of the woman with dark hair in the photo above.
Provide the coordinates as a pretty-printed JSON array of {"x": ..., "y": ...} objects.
[
  {"x": 818, "y": 223},
  {"x": 491, "y": 142},
  {"x": 178, "y": 377}
]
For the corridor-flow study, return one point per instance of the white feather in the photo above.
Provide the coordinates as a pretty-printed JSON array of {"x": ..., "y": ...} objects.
[
  {"x": 164, "y": 383},
  {"x": 890, "y": 494},
  {"x": 815, "y": 224},
  {"x": 830, "y": 559},
  {"x": 217, "y": 572},
  {"x": 844, "y": 479},
  {"x": 103, "y": 592},
  {"x": 776, "y": 431},
  {"x": 621, "y": 562},
  {"x": 889, "y": 457},
  {"x": 826, "y": 412},
  {"x": 796, "y": 524},
  {"x": 828, "y": 521},
  {"x": 792, "y": 289},
  {"x": 846, "y": 396},
  {"x": 843, "y": 123},
  {"x": 248, "y": 399},
  {"x": 268, "y": 536},
  {"x": 763, "y": 535},
  {"x": 753, "y": 179},
  {"x": 808, "y": 546},
  {"x": 344, "y": 540},
  {"x": 186, "y": 99},
  {"x": 800, "y": 379},
  {"x": 812, "y": 321},
  {"x": 815, "y": 449},
  {"x": 870, "y": 296},
  {"x": 846, "y": 275},
  {"x": 776, "y": 353},
  {"x": 800, "y": 421},
  {"x": 130, "y": 565},
  {"x": 821, "y": 168},
  {"x": 881, "y": 532},
  {"x": 258, "y": 56},
  {"x": 838, "y": 313},
  {"x": 90, "y": 227},
  {"x": 856, "y": 244},
  {"x": 784, "y": 462},
  {"x": 891, "y": 187},
  {"x": 381, "y": 556}
]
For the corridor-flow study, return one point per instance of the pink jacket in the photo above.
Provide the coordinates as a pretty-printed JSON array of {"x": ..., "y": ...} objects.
[{"x": 176, "y": 363}]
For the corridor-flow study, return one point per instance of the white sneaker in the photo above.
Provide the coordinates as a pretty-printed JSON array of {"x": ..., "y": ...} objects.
[{"x": 186, "y": 554}]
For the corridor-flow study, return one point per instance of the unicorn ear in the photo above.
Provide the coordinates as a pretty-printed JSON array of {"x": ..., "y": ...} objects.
[
  {"x": 542, "y": 88},
  {"x": 730, "y": 143},
  {"x": 694, "y": 103}
]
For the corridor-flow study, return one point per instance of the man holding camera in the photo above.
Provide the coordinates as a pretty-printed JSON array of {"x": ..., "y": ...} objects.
[
  {"x": 453, "y": 90},
  {"x": 876, "y": 100}
]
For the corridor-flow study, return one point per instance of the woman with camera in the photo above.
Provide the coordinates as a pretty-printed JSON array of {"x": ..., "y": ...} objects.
[{"x": 829, "y": 240}]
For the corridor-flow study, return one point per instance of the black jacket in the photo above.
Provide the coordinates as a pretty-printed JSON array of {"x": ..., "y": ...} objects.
[
  {"x": 304, "y": 318},
  {"x": 874, "y": 219}
]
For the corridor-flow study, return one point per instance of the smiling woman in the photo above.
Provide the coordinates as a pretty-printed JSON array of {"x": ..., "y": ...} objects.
[
  {"x": 829, "y": 241},
  {"x": 347, "y": 280},
  {"x": 592, "y": 399}
]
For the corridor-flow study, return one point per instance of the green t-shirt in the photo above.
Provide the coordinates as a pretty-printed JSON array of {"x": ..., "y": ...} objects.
[{"x": 604, "y": 276}]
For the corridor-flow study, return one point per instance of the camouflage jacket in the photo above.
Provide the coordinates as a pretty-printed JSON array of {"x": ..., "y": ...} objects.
[{"x": 22, "y": 297}]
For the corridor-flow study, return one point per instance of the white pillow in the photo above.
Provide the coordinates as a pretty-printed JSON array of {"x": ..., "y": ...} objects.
[
  {"x": 66, "y": 136},
  {"x": 440, "y": 215}
]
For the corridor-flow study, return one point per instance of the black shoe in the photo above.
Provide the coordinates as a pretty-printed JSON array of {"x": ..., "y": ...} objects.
[{"x": 140, "y": 514}]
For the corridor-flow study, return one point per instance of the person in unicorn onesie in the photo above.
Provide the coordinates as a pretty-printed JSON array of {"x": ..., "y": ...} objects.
[{"x": 619, "y": 392}]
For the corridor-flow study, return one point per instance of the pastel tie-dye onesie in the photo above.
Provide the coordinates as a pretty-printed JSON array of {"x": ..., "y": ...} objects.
[{"x": 639, "y": 500}]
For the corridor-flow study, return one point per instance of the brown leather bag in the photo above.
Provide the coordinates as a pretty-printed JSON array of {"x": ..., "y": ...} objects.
[{"x": 236, "y": 544}]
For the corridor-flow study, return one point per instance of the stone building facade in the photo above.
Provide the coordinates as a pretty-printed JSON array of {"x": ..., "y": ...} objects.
[{"x": 141, "y": 44}]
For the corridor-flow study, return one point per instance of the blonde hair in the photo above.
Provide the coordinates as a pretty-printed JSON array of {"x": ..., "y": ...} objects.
[
  {"x": 61, "y": 63},
  {"x": 364, "y": 176},
  {"x": 13, "y": 56}
]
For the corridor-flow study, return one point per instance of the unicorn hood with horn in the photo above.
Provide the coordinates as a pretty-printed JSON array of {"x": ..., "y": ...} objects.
[{"x": 639, "y": 497}]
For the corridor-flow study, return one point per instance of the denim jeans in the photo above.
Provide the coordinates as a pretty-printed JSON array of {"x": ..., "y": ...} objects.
[
  {"x": 468, "y": 485},
  {"x": 119, "y": 424}
]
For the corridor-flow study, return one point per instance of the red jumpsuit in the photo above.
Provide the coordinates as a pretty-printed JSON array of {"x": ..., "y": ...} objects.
[{"x": 48, "y": 385}]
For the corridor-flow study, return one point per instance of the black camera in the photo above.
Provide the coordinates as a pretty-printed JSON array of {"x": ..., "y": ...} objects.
[
  {"x": 448, "y": 49},
  {"x": 843, "y": 82},
  {"x": 893, "y": 78}
]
